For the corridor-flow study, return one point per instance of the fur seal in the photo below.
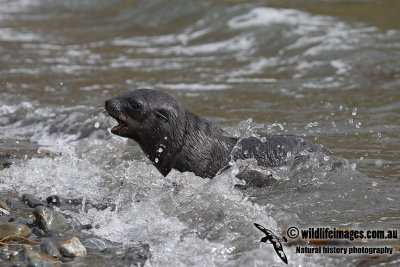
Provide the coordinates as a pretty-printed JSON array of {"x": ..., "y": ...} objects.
[{"x": 174, "y": 138}]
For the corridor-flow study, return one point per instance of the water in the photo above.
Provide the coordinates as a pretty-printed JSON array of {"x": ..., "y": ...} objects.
[{"x": 326, "y": 70}]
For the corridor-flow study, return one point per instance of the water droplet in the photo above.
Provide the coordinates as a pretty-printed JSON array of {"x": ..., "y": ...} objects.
[
  {"x": 246, "y": 152},
  {"x": 333, "y": 124},
  {"x": 160, "y": 150},
  {"x": 351, "y": 121},
  {"x": 340, "y": 107},
  {"x": 379, "y": 135},
  {"x": 165, "y": 138},
  {"x": 378, "y": 163},
  {"x": 358, "y": 124},
  {"x": 354, "y": 112},
  {"x": 96, "y": 125},
  {"x": 263, "y": 139},
  {"x": 156, "y": 160}
]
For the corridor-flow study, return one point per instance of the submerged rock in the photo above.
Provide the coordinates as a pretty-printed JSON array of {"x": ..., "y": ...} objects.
[
  {"x": 48, "y": 219},
  {"x": 7, "y": 253},
  {"x": 32, "y": 256},
  {"x": 13, "y": 228},
  {"x": 138, "y": 255},
  {"x": 4, "y": 205},
  {"x": 50, "y": 249},
  {"x": 54, "y": 200},
  {"x": 94, "y": 244},
  {"x": 73, "y": 248},
  {"x": 31, "y": 201}
]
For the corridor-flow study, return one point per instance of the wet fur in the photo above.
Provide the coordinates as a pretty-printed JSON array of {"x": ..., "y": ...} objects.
[{"x": 189, "y": 142}]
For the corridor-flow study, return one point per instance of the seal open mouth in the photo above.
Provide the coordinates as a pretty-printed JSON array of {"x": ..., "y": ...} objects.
[{"x": 122, "y": 125}]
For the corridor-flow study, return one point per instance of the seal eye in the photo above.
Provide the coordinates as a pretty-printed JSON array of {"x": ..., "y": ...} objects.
[
  {"x": 135, "y": 105},
  {"x": 162, "y": 114}
]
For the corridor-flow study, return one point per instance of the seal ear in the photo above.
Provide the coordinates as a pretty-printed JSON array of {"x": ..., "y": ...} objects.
[{"x": 162, "y": 114}]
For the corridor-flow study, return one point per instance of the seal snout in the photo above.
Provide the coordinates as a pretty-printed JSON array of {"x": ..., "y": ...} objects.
[{"x": 113, "y": 108}]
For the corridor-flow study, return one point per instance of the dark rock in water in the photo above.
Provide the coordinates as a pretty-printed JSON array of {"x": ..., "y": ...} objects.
[
  {"x": 13, "y": 228},
  {"x": 24, "y": 217},
  {"x": 4, "y": 205},
  {"x": 8, "y": 253},
  {"x": 48, "y": 219},
  {"x": 38, "y": 232},
  {"x": 31, "y": 201},
  {"x": 54, "y": 200},
  {"x": 87, "y": 226},
  {"x": 32, "y": 256},
  {"x": 73, "y": 248},
  {"x": 53, "y": 234},
  {"x": 5, "y": 161},
  {"x": 138, "y": 255},
  {"x": 94, "y": 244},
  {"x": 49, "y": 248}
]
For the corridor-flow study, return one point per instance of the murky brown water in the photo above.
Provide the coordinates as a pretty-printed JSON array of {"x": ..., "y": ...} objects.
[{"x": 328, "y": 70}]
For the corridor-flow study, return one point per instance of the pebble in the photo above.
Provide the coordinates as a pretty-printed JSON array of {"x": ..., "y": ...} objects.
[
  {"x": 4, "y": 205},
  {"x": 94, "y": 244},
  {"x": 54, "y": 200},
  {"x": 32, "y": 256},
  {"x": 31, "y": 201},
  {"x": 14, "y": 228},
  {"x": 4, "y": 208},
  {"x": 48, "y": 247},
  {"x": 138, "y": 255},
  {"x": 48, "y": 219},
  {"x": 73, "y": 248},
  {"x": 7, "y": 253}
]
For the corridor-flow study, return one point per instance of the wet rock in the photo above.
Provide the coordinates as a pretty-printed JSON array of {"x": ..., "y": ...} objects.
[
  {"x": 7, "y": 253},
  {"x": 4, "y": 208},
  {"x": 53, "y": 234},
  {"x": 4, "y": 205},
  {"x": 13, "y": 228},
  {"x": 5, "y": 161},
  {"x": 94, "y": 244},
  {"x": 138, "y": 255},
  {"x": 54, "y": 200},
  {"x": 38, "y": 232},
  {"x": 31, "y": 201},
  {"x": 73, "y": 248},
  {"x": 24, "y": 217},
  {"x": 49, "y": 248},
  {"x": 48, "y": 219},
  {"x": 32, "y": 256}
]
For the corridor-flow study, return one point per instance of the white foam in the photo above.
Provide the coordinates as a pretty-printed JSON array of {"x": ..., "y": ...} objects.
[
  {"x": 261, "y": 16},
  {"x": 194, "y": 86}
]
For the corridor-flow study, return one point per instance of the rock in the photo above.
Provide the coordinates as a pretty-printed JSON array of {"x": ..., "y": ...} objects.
[
  {"x": 50, "y": 249},
  {"x": 4, "y": 208},
  {"x": 53, "y": 234},
  {"x": 38, "y": 232},
  {"x": 48, "y": 219},
  {"x": 94, "y": 244},
  {"x": 73, "y": 248},
  {"x": 32, "y": 256},
  {"x": 138, "y": 255},
  {"x": 13, "y": 228},
  {"x": 7, "y": 253},
  {"x": 54, "y": 200},
  {"x": 5, "y": 161},
  {"x": 31, "y": 201},
  {"x": 4, "y": 205}
]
